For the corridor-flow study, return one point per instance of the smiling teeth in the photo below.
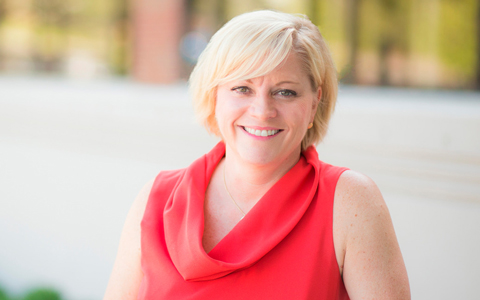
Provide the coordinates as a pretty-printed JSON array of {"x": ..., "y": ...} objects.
[{"x": 260, "y": 132}]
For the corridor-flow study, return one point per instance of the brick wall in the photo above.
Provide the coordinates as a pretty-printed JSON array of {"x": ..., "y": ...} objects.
[{"x": 157, "y": 27}]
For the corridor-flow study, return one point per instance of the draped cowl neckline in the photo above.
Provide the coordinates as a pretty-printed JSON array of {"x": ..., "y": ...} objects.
[{"x": 262, "y": 229}]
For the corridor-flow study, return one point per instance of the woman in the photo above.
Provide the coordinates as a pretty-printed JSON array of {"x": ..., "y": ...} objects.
[{"x": 260, "y": 216}]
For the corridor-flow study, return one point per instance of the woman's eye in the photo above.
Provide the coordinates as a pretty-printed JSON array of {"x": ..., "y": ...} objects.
[
  {"x": 241, "y": 89},
  {"x": 287, "y": 93}
]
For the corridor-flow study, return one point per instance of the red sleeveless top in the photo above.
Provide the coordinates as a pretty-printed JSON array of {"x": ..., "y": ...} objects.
[{"x": 282, "y": 249}]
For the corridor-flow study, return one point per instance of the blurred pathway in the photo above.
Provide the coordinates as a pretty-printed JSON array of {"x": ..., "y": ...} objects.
[{"x": 73, "y": 155}]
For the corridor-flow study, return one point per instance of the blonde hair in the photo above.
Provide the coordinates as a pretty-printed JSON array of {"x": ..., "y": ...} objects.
[{"x": 252, "y": 45}]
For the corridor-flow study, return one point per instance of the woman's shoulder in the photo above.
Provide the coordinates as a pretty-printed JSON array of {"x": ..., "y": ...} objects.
[
  {"x": 357, "y": 187},
  {"x": 126, "y": 274},
  {"x": 163, "y": 179},
  {"x": 140, "y": 202},
  {"x": 160, "y": 183},
  {"x": 167, "y": 176},
  {"x": 365, "y": 242},
  {"x": 357, "y": 200}
]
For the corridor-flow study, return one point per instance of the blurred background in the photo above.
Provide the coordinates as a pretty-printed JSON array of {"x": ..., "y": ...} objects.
[
  {"x": 94, "y": 103},
  {"x": 413, "y": 43}
]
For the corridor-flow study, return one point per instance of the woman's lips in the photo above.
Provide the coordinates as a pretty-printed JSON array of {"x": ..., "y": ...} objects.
[{"x": 260, "y": 131}]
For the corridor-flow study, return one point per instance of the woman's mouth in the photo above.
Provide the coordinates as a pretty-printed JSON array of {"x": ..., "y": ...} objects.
[{"x": 258, "y": 132}]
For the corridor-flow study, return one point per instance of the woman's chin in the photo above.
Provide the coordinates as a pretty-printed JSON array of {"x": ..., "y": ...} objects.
[{"x": 261, "y": 157}]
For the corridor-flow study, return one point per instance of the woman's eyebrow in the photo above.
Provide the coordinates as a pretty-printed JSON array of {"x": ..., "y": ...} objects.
[
  {"x": 288, "y": 81},
  {"x": 278, "y": 83}
]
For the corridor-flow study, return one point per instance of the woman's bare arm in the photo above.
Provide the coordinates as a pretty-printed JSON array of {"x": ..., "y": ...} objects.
[
  {"x": 365, "y": 243},
  {"x": 127, "y": 274}
]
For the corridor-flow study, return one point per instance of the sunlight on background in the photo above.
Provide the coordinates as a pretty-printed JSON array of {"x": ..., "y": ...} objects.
[
  {"x": 93, "y": 104},
  {"x": 376, "y": 42}
]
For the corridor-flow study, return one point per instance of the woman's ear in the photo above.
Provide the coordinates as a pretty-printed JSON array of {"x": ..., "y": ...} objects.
[
  {"x": 319, "y": 94},
  {"x": 316, "y": 101}
]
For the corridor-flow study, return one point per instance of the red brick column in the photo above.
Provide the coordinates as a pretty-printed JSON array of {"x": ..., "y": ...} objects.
[{"x": 157, "y": 27}]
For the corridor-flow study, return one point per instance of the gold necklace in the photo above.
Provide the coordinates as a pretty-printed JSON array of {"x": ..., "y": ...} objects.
[{"x": 225, "y": 184}]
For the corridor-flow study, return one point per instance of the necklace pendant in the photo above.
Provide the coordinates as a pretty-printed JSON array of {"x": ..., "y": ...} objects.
[{"x": 225, "y": 184}]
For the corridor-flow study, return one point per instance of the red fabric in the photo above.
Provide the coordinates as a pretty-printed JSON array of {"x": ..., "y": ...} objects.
[{"x": 282, "y": 249}]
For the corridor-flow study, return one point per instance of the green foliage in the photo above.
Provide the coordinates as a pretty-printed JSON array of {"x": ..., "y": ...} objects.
[
  {"x": 332, "y": 20},
  {"x": 442, "y": 33},
  {"x": 370, "y": 25},
  {"x": 3, "y": 295},
  {"x": 384, "y": 22},
  {"x": 43, "y": 294},
  {"x": 457, "y": 35}
]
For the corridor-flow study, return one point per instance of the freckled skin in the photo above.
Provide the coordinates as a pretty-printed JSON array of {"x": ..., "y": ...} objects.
[
  {"x": 366, "y": 247},
  {"x": 282, "y": 99}
]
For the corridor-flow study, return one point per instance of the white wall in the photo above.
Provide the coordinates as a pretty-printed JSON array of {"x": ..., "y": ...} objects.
[{"x": 73, "y": 155}]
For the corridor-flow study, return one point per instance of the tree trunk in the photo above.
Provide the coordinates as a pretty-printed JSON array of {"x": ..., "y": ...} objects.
[
  {"x": 313, "y": 8},
  {"x": 353, "y": 20},
  {"x": 157, "y": 28},
  {"x": 477, "y": 80}
]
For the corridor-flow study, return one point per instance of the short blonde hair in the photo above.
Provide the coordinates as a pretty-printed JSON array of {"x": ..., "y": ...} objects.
[{"x": 252, "y": 45}]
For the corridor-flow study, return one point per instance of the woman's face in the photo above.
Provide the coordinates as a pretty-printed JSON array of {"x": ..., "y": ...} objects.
[{"x": 263, "y": 120}]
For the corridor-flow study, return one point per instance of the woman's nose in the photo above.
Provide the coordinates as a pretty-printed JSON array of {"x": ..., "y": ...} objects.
[{"x": 263, "y": 107}]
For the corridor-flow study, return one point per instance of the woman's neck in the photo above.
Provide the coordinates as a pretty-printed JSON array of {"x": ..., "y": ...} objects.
[{"x": 248, "y": 182}]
